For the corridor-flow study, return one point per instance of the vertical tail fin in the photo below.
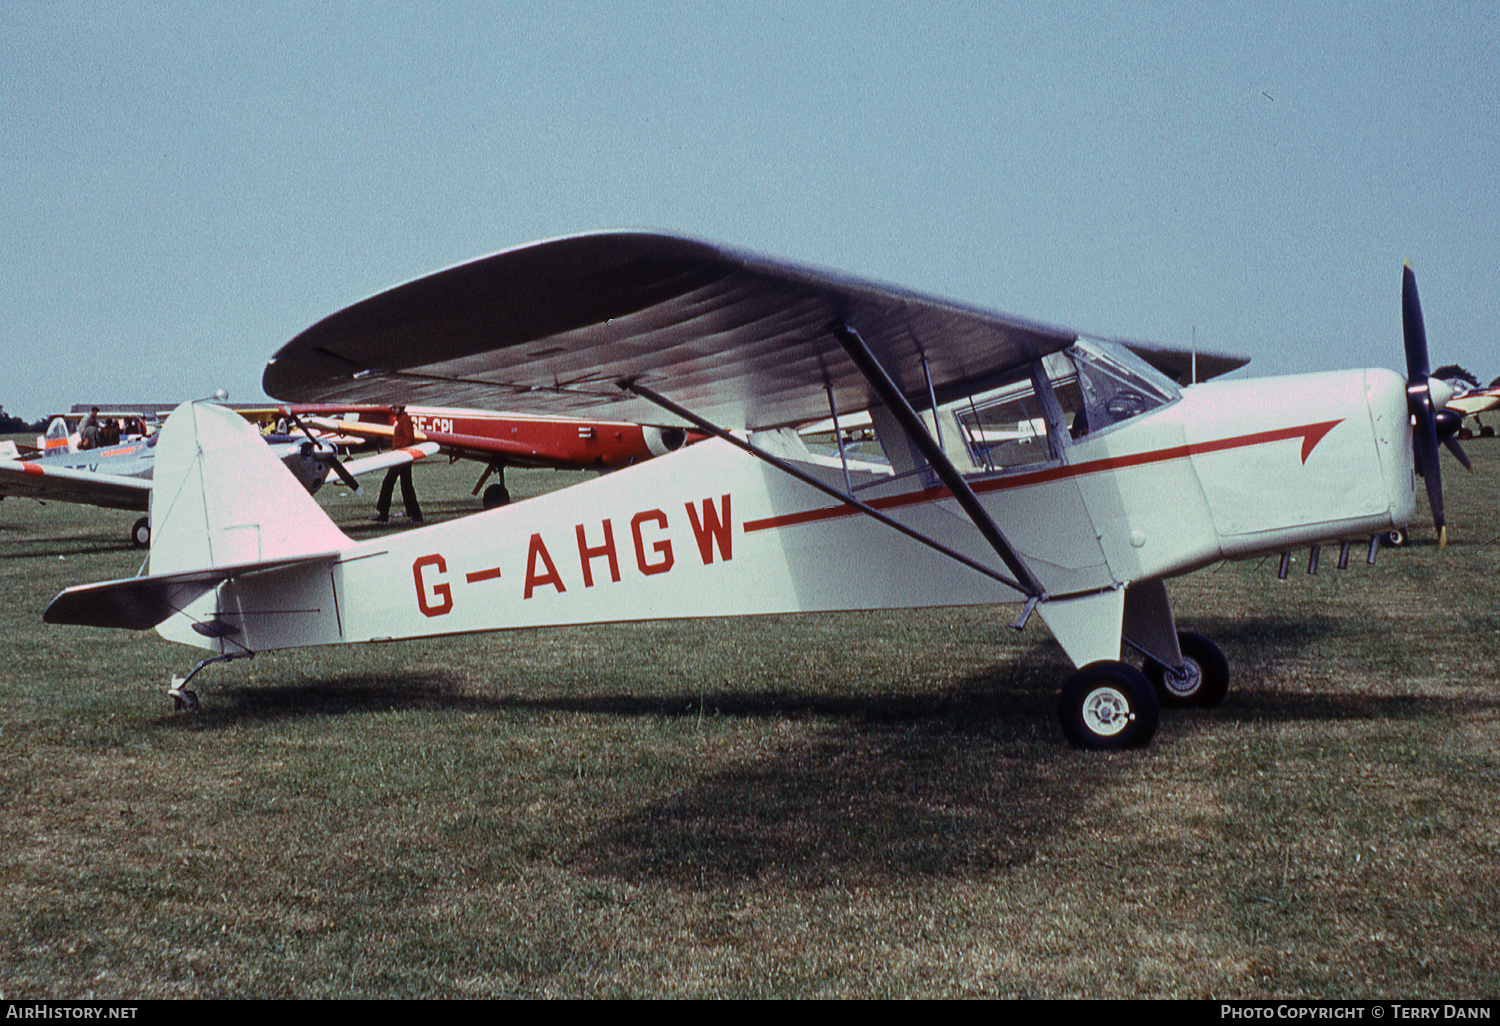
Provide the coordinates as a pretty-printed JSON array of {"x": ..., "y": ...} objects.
[
  {"x": 57, "y": 441},
  {"x": 219, "y": 497}
]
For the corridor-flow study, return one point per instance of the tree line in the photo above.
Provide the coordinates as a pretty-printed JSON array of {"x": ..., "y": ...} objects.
[
  {"x": 16, "y": 426},
  {"x": 1453, "y": 372}
]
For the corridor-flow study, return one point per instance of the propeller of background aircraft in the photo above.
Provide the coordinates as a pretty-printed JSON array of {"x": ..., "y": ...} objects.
[
  {"x": 1432, "y": 421},
  {"x": 329, "y": 456}
]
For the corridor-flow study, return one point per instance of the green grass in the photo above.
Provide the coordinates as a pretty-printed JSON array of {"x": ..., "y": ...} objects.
[{"x": 865, "y": 805}]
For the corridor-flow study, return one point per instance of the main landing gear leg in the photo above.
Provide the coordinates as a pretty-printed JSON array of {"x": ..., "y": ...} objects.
[
  {"x": 185, "y": 699},
  {"x": 496, "y": 495},
  {"x": 1106, "y": 703}
]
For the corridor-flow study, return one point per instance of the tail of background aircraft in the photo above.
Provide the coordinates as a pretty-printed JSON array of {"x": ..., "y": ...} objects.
[
  {"x": 56, "y": 442},
  {"x": 220, "y": 498}
]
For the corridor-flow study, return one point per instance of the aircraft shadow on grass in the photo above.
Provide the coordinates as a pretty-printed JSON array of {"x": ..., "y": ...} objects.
[
  {"x": 955, "y": 784},
  {"x": 972, "y": 785}
]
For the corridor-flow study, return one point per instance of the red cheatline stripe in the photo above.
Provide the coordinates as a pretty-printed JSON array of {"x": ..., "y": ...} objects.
[{"x": 1311, "y": 435}]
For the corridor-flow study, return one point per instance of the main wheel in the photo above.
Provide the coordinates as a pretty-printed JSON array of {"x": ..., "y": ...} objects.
[
  {"x": 1395, "y": 538},
  {"x": 1203, "y": 680},
  {"x": 140, "y": 534},
  {"x": 1108, "y": 705},
  {"x": 496, "y": 496}
]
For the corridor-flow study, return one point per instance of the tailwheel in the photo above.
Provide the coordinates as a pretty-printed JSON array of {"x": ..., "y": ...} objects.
[
  {"x": 183, "y": 698},
  {"x": 1108, "y": 704},
  {"x": 1203, "y": 680}
]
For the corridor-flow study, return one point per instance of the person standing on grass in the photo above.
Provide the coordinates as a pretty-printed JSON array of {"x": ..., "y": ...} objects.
[{"x": 403, "y": 436}]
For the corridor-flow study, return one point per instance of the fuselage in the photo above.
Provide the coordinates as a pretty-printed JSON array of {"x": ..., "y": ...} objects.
[
  {"x": 1215, "y": 471},
  {"x": 523, "y": 440}
]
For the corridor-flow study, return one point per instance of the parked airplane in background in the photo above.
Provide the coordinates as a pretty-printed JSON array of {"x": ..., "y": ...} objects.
[
  {"x": 1026, "y": 463},
  {"x": 502, "y": 440},
  {"x": 120, "y": 476},
  {"x": 1471, "y": 403}
]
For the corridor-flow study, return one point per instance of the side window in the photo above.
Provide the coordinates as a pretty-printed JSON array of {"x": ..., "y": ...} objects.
[{"x": 1004, "y": 428}]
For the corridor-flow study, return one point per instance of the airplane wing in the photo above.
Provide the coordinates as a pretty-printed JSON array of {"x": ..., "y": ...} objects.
[
  {"x": 738, "y": 338},
  {"x": 1475, "y": 402},
  {"x": 394, "y": 458},
  {"x": 1184, "y": 366},
  {"x": 36, "y": 480}
]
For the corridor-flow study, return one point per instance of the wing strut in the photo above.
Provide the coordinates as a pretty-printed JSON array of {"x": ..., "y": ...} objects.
[
  {"x": 838, "y": 437},
  {"x": 932, "y": 451},
  {"x": 1032, "y": 592}
]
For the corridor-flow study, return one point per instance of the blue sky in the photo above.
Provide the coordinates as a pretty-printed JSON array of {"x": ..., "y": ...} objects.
[{"x": 189, "y": 185}]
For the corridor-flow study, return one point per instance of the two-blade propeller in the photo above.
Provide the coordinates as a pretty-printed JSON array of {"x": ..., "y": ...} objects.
[
  {"x": 1431, "y": 421},
  {"x": 329, "y": 457}
]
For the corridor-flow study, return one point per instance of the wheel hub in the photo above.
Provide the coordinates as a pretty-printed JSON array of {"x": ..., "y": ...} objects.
[
  {"x": 1185, "y": 682},
  {"x": 1106, "y": 711}
]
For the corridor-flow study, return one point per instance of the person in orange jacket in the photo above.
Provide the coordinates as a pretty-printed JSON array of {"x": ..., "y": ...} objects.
[{"x": 404, "y": 435}]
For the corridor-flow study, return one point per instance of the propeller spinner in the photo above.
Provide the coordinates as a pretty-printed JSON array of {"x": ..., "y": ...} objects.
[{"x": 1430, "y": 423}]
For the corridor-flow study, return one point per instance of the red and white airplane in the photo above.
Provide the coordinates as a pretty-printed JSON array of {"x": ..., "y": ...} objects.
[
  {"x": 1024, "y": 463},
  {"x": 1470, "y": 403},
  {"x": 501, "y": 440}
]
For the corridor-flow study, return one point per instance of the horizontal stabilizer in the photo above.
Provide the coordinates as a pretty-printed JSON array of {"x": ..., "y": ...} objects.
[{"x": 140, "y": 603}]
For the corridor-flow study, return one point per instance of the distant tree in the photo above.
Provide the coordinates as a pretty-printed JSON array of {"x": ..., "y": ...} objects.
[
  {"x": 1453, "y": 372},
  {"x": 15, "y": 425},
  {"x": 1495, "y": 382}
]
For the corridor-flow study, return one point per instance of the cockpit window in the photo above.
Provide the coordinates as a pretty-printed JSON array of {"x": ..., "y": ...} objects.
[
  {"x": 1112, "y": 385},
  {"x": 1090, "y": 386}
]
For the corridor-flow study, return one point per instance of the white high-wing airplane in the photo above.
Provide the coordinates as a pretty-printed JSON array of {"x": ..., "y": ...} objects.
[{"x": 1058, "y": 471}]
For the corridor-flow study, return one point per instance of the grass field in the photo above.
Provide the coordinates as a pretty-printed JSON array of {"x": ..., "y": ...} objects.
[{"x": 872, "y": 805}]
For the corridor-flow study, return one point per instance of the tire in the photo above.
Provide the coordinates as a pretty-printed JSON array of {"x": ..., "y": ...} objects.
[
  {"x": 1395, "y": 538},
  {"x": 140, "y": 534},
  {"x": 1108, "y": 705},
  {"x": 1203, "y": 681},
  {"x": 496, "y": 496}
]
